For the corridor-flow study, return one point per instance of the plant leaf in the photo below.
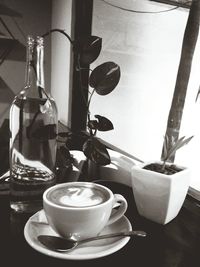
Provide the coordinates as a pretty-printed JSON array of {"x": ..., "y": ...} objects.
[
  {"x": 198, "y": 93},
  {"x": 96, "y": 151},
  {"x": 93, "y": 124},
  {"x": 177, "y": 145},
  {"x": 165, "y": 147},
  {"x": 63, "y": 157},
  {"x": 88, "y": 48},
  {"x": 105, "y": 77},
  {"x": 64, "y": 134},
  {"x": 104, "y": 124}
]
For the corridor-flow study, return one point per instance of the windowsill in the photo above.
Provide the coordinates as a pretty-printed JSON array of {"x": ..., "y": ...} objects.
[
  {"x": 194, "y": 193},
  {"x": 126, "y": 179},
  {"x": 120, "y": 168}
]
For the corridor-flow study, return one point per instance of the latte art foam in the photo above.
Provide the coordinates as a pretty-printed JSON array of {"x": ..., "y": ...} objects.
[{"x": 77, "y": 196}]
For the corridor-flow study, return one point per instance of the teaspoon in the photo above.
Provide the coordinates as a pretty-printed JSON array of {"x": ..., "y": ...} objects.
[{"x": 63, "y": 245}]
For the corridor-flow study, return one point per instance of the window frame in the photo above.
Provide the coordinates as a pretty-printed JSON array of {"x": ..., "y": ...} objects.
[{"x": 178, "y": 3}]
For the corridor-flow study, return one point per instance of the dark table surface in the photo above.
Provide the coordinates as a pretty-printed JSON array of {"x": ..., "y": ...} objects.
[{"x": 171, "y": 245}]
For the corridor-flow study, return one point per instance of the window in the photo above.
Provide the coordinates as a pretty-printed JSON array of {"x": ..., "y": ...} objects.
[{"x": 145, "y": 40}]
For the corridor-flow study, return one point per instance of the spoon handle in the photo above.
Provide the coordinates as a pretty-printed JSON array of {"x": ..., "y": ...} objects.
[{"x": 127, "y": 233}]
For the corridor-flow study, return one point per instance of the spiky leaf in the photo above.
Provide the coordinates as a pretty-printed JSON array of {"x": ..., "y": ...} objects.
[
  {"x": 105, "y": 78},
  {"x": 165, "y": 146},
  {"x": 177, "y": 145},
  {"x": 96, "y": 151},
  {"x": 198, "y": 93}
]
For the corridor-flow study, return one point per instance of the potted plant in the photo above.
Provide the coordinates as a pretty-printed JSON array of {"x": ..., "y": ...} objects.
[
  {"x": 159, "y": 194},
  {"x": 160, "y": 187},
  {"x": 102, "y": 81}
]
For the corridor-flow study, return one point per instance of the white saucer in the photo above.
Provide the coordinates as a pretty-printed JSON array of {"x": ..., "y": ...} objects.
[{"x": 37, "y": 225}]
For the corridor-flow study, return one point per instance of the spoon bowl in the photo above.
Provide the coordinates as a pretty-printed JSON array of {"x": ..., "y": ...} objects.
[{"x": 61, "y": 244}]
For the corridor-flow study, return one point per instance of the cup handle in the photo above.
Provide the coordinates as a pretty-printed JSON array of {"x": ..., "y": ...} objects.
[{"x": 121, "y": 203}]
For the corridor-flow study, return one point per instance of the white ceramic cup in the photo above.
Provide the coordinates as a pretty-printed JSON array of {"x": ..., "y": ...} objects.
[{"x": 81, "y": 209}]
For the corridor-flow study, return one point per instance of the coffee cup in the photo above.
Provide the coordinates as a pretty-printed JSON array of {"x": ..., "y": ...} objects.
[{"x": 80, "y": 210}]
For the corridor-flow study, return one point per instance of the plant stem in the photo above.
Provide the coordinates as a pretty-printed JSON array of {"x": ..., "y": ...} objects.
[
  {"x": 89, "y": 100},
  {"x": 163, "y": 165},
  {"x": 90, "y": 97},
  {"x": 80, "y": 78},
  {"x": 61, "y": 31},
  {"x": 78, "y": 68},
  {"x": 88, "y": 112}
]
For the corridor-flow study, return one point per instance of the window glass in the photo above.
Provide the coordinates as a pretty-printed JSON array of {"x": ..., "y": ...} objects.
[{"x": 146, "y": 44}]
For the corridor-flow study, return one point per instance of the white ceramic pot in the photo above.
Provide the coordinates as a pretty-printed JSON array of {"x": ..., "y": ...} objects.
[{"x": 159, "y": 197}]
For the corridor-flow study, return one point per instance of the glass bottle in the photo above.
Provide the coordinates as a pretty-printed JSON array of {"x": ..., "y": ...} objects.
[{"x": 33, "y": 129}]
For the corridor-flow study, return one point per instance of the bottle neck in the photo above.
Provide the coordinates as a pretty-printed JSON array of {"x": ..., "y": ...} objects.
[
  {"x": 40, "y": 65},
  {"x": 34, "y": 75}
]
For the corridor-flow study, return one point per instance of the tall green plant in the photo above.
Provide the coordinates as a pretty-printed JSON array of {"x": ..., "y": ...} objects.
[
  {"x": 169, "y": 149},
  {"x": 102, "y": 81}
]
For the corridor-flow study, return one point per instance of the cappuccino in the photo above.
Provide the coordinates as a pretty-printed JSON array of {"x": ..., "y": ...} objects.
[
  {"x": 81, "y": 210},
  {"x": 78, "y": 196}
]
